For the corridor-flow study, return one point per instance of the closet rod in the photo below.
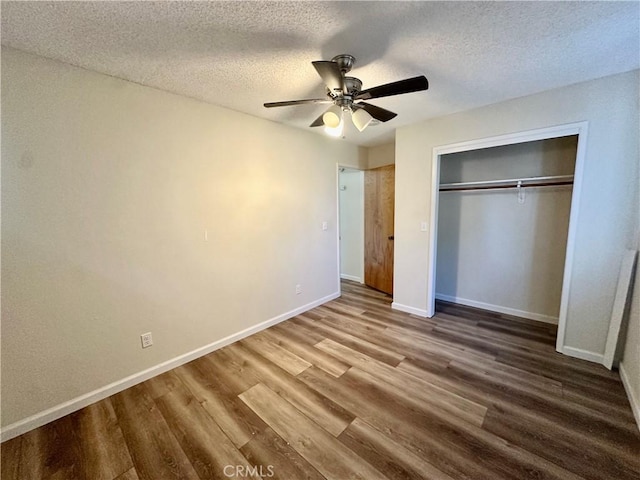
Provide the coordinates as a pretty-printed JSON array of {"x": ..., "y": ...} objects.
[{"x": 509, "y": 183}]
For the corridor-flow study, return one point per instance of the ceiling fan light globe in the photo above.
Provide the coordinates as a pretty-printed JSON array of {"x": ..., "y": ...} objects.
[
  {"x": 331, "y": 120},
  {"x": 332, "y": 117},
  {"x": 361, "y": 119},
  {"x": 334, "y": 131}
]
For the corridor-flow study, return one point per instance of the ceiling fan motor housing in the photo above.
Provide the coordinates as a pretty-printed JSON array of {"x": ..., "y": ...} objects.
[{"x": 352, "y": 86}]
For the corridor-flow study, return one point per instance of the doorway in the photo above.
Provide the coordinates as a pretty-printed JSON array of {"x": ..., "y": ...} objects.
[
  {"x": 366, "y": 201},
  {"x": 577, "y": 129},
  {"x": 351, "y": 223}
]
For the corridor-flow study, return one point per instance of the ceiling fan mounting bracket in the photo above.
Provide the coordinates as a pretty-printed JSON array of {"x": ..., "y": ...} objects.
[{"x": 345, "y": 62}]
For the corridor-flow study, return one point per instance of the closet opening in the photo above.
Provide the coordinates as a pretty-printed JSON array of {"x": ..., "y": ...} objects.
[{"x": 503, "y": 223}]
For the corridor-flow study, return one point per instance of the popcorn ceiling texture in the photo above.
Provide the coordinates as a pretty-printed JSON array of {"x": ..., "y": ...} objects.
[{"x": 242, "y": 54}]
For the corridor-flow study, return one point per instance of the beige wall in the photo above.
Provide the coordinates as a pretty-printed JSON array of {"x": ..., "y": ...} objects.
[
  {"x": 607, "y": 205},
  {"x": 381, "y": 155},
  {"x": 107, "y": 190}
]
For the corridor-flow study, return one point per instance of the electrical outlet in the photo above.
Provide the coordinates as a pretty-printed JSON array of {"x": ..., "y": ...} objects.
[
  {"x": 298, "y": 289},
  {"x": 146, "y": 339},
  {"x": 325, "y": 225}
]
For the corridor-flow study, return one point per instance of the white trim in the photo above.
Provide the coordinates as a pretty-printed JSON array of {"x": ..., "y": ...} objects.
[
  {"x": 499, "y": 308},
  {"x": 571, "y": 237},
  {"x": 433, "y": 234},
  {"x": 582, "y": 354},
  {"x": 514, "y": 138},
  {"x": 338, "y": 249},
  {"x": 353, "y": 278},
  {"x": 621, "y": 304},
  {"x": 580, "y": 129},
  {"x": 58, "y": 411},
  {"x": 407, "y": 309},
  {"x": 635, "y": 402}
]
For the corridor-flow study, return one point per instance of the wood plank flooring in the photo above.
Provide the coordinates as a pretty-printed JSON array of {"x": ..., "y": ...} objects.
[{"x": 355, "y": 390}]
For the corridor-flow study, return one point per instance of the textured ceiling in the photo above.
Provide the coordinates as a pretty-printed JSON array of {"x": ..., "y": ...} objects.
[{"x": 242, "y": 54}]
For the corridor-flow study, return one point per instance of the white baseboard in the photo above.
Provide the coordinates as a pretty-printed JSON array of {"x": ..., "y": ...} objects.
[
  {"x": 633, "y": 400},
  {"x": 58, "y": 411},
  {"x": 353, "y": 278},
  {"x": 498, "y": 308},
  {"x": 582, "y": 354},
  {"x": 407, "y": 309}
]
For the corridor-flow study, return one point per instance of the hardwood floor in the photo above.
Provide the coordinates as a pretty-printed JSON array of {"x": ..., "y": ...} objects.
[{"x": 354, "y": 390}]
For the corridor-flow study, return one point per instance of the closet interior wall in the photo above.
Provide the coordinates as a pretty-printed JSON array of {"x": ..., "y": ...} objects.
[{"x": 494, "y": 251}]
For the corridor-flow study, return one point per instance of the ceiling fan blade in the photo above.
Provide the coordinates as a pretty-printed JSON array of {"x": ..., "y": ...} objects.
[
  {"x": 318, "y": 122},
  {"x": 409, "y": 85},
  {"x": 297, "y": 102},
  {"x": 331, "y": 75},
  {"x": 377, "y": 112}
]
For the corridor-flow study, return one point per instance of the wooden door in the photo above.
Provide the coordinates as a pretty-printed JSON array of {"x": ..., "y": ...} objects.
[{"x": 379, "y": 192}]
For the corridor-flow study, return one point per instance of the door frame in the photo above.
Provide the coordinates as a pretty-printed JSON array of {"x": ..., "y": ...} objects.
[{"x": 580, "y": 129}]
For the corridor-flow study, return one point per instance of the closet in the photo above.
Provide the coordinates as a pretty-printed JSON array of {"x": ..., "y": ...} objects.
[{"x": 503, "y": 219}]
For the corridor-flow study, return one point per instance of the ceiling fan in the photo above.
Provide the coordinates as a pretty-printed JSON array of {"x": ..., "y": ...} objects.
[{"x": 346, "y": 95}]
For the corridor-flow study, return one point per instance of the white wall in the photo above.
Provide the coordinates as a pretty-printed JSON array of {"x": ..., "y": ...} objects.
[
  {"x": 352, "y": 224},
  {"x": 494, "y": 252},
  {"x": 608, "y": 203},
  {"x": 107, "y": 190}
]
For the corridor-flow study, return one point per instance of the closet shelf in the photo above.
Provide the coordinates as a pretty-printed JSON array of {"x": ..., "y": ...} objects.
[{"x": 509, "y": 183}]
